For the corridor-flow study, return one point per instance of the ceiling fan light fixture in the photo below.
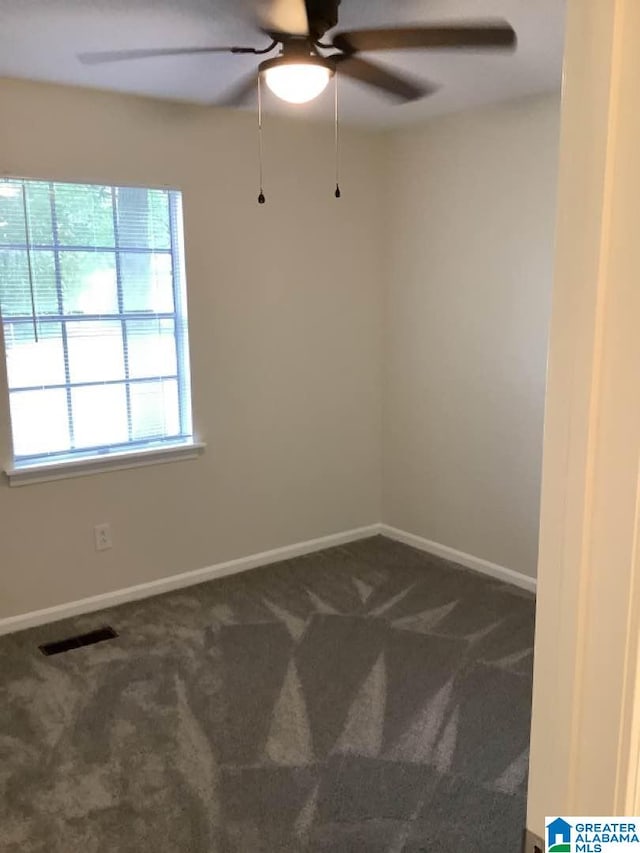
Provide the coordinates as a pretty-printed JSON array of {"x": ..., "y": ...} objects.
[{"x": 298, "y": 80}]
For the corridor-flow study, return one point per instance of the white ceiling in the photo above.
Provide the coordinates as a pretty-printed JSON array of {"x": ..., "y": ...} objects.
[{"x": 40, "y": 40}]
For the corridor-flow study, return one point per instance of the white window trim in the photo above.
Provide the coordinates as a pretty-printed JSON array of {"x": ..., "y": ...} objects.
[{"x": 45, "y": 472}]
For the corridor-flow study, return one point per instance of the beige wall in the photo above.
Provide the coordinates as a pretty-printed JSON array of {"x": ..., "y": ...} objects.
[
  {"x": 470, "y": 209},
  {"x": 284, "y": 304},
  {"x": 286, "y": 309}
]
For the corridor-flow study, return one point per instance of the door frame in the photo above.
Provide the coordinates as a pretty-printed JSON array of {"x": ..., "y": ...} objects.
[{"x": 585, "y": 738}]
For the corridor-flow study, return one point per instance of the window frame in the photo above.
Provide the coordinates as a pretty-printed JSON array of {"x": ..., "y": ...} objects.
[{"x": 73, "y": 462}]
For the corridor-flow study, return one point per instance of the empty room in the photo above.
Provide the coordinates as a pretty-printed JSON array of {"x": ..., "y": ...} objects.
[{"x": 275, "y": 294}]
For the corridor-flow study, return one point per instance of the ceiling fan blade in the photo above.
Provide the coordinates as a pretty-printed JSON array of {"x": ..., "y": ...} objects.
[
  {"x": 241, "y": 92},
  {"x": 400, "y": 88},
  {"x": 283, "y": 16},
  {"x": 478, "y": 35},
  {"x": 103, "y": 56}
]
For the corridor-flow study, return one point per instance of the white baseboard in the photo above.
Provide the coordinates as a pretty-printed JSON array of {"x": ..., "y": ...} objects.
[
  {"x": 467, "y": 560},
  {"x": 11, "y": 624},
  {"x": 145, "y": 590}
]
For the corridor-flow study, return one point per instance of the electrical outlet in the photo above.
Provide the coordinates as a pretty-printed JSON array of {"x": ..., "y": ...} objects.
[{"x": 102, "y": 533}]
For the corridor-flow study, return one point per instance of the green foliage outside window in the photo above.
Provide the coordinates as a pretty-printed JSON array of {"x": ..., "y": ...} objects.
[{"x": 68, "y": 215}]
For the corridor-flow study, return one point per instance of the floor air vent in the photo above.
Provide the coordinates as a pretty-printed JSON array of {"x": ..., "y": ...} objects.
[{"x": 89, "y": 639}]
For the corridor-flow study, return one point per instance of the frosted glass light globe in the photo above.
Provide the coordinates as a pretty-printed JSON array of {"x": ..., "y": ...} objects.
[{"x": 297, "y": 83}]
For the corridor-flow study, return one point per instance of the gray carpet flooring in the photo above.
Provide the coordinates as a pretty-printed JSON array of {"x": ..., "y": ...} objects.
[{"x": 365, "y": 698}]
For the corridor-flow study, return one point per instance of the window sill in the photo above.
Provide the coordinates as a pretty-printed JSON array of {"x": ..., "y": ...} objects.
[{"x": 102, "y": 464}]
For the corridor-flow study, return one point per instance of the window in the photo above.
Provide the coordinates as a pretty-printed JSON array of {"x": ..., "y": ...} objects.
[{"x": 93, "y": 308}]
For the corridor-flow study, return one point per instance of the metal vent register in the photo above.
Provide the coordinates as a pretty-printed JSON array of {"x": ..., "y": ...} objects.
[{"x": 77, "y": 642}]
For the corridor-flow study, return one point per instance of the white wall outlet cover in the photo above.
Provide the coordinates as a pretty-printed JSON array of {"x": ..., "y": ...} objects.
[{"x": 102, "y": 533}]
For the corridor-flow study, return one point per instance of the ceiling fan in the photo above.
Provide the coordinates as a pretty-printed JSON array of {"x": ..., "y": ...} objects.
[{"x": 301, "y": 70}]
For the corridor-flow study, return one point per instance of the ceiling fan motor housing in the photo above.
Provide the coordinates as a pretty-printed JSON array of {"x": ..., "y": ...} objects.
[
  {"x": 322, "y": 15},
  {"x": 297, "y": 54}
]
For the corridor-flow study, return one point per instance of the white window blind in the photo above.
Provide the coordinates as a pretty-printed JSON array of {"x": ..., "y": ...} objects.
[{"x": 93, "y": 308}]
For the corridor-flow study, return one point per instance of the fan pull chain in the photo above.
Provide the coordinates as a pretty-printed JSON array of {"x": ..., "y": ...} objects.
[
  {"x": 261, "y": 198},
  {"x": 337, "y": 138},
  {"x": 27, "y": 234}
]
